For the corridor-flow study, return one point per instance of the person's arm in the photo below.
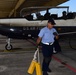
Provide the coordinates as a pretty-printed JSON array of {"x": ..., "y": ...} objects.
[
  {"x": 38, "y": 41},
  {"x": 40, "y": 35},
  {"x": 56, "y": 35}
]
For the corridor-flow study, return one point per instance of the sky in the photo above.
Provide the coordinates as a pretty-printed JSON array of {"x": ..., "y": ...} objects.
[{"x": 70, "y": 3}]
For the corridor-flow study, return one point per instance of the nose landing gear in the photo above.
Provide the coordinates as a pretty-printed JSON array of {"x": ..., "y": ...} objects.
[{"x": 8, "y": 46}]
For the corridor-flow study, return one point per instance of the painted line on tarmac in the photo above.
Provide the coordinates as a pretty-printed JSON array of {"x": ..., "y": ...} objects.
[
  {"x": 2, "y": 68},
  {"x": 57, "y": 59},
  {"x": 67, "y": 65}
]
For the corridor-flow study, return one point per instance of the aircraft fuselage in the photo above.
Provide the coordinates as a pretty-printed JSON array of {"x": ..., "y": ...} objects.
[
  {"x": 21, "y": 32},
  {"x": 22, "y": 28}
]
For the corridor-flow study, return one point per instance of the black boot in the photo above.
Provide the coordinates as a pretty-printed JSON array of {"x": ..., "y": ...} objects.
[
  {"x": 49, "y": 70},
  {"x": 45, "y": 73}
]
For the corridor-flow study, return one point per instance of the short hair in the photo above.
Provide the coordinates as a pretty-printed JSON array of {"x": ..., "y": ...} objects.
[{"x": 51, "y": 20}]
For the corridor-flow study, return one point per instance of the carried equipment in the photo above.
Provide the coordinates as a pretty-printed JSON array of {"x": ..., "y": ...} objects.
[{"x": 35, "y": 64}]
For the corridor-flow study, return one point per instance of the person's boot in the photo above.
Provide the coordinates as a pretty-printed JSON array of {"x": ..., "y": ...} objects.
[
  {"x": 45, "y": 73},
  {"x": 49, "y": 70}
]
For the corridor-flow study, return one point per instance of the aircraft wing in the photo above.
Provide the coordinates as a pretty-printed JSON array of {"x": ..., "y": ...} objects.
[{"x": 67, "y": 33}]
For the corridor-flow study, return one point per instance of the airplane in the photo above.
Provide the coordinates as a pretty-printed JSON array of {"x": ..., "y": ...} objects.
[{"x": 21, "y": 28}]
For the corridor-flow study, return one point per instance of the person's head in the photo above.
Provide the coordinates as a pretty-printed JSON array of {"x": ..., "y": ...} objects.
[{"x": 51, "y": 23}]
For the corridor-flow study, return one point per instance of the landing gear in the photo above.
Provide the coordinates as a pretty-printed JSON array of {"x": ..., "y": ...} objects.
[
  {"x": 72, "y": 42},
  {"x": 8, "y": 45}
]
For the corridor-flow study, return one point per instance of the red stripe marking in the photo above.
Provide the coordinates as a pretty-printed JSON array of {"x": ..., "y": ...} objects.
[
  {"x": 67, "y": 65},
  {"x": 57, "y": 59}
]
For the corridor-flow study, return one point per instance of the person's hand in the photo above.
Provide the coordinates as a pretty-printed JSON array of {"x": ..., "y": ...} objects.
[
  {"x": 57, "y": 37},
  {"x": 37, "y": 46}
]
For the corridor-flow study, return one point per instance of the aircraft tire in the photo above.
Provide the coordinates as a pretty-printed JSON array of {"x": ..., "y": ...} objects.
[
  {"x": 8, "y": 48},
  {"x": 71, "y": 40}
]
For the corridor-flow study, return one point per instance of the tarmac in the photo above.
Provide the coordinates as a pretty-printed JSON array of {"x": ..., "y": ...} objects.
[{"x": 17, "y": 60}]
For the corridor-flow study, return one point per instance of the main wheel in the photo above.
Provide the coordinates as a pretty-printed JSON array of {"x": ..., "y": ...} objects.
[
  {"x": 72, "y": 42},
  {"x": 8, "y": 47}
]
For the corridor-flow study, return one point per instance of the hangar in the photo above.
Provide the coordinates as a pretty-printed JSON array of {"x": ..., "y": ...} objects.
[
  {"x": 17, "y": 63},
  {"x": 11, "y": 8},
  {"x": 20, "y": 27}
]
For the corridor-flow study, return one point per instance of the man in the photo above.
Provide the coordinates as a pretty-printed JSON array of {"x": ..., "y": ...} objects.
[{"x": 46, "y": 37}]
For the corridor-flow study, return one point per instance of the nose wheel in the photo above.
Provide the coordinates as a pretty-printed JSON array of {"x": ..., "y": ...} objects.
[{"x": 8, "y": 46}]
